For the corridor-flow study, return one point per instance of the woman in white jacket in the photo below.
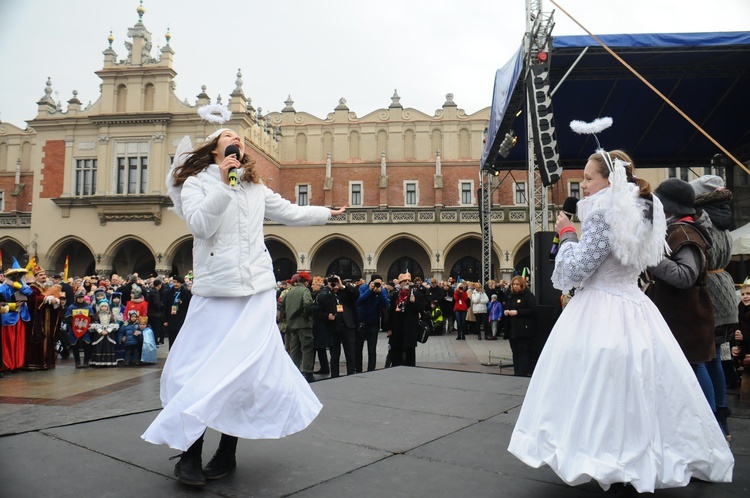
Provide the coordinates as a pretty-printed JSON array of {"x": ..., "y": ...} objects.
[
  {"x": 228, "y": 370},
  {"x": 479, "y": 301}
]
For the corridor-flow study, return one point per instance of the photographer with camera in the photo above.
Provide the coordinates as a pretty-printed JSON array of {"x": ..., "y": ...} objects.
[
  {"x": 338, "y": 310},
  {"x": 373, "y": 299}
]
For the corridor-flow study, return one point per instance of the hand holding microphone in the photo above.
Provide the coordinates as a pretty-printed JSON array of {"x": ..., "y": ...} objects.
[
  {"x": 563, "y": 220},
  {"x": 232, "y": 149}
]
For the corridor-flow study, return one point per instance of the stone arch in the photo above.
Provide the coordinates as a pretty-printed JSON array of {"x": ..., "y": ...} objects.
[
  {"x": 80, "y": 254},
  {"x": 382, "y": 144},
  {"x": 121, "y": 98},
  {"x": 401, "y": 245},
  {"x": 283, "y": 256},
  {"x": 470, "y": 244},
  {"x": 11, "y": 248},
  {"x": 300, "y": 143},
  {"x": 409, "y": 144},
  {"x": 179, "y": 256},
  {"x": 4, "y": 156},
  {"x": 26, "y": 156},
  {"x": 333, "y": 247},
  {"x": 464, "y": 143},
  {"x": 354, "y": 141},
  {"x": 149, "y": 92},
  {"x": 130, "y": 254},
  {"x": 327, "y": 142},
  {"x": 436, "y": 142}
]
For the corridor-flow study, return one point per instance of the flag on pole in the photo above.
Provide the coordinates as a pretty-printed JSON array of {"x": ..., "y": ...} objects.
[
  {"x": 30, "y": 266},
  {"x": 65, "y": 270}
]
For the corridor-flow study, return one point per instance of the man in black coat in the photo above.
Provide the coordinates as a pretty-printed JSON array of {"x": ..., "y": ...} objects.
[
  {"x": 406, "y": 309},
  {"x": 341, "y": 304},
  {"x": 156, "y": 310},
  {"x": 177, "y": 302}
]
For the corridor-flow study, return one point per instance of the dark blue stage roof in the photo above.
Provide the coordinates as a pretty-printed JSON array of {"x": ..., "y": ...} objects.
[{"x": 707, "y": 75}]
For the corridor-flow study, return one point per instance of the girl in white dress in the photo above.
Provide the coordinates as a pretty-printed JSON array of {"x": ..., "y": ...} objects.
[
  {"x": 613, "y": 397},
  {"x": 228, "y": 370}
]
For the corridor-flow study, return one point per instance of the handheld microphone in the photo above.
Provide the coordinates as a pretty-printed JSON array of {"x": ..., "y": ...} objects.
[
  {"x": 569, "y": 209},
  {"x": 232, "y": 149}
]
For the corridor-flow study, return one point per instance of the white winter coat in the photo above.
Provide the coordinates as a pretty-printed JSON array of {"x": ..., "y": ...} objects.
[
  {"x": 230, "y": 257},
  {"x": 479, "y": 302}
]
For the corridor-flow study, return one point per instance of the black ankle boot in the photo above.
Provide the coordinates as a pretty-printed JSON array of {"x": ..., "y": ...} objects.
[
  {"x": 188, "y": 470},
  {"x": 223, "y": 461}
]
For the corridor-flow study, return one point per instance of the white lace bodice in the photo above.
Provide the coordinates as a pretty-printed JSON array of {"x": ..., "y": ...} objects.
[{"x": 590, "y": 262}]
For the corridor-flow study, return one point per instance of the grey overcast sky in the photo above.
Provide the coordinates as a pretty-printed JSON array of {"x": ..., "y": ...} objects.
[{"x": 317, "y": 52}]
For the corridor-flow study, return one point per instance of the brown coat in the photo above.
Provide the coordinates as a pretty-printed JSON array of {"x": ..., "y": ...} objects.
[{"x": 688, "y": 312}]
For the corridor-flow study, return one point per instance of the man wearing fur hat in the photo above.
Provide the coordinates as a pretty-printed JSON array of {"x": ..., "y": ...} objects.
[
  {"x": 678, "y": 284},
  {"x": 296, "y": 307},
  {"x": 14, "y": 293}
]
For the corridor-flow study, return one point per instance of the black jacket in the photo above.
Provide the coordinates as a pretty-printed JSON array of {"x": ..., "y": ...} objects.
[{"x": 523, "y": 325}]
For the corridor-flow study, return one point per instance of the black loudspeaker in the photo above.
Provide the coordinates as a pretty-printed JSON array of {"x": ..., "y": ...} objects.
[
  {"x": 543, "y": 124},
  {"x": 546, "y": 295},
  {"x": 546, "y": 316}
]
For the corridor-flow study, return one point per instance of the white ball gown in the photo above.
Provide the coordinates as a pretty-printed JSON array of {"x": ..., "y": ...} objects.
[{"x": 612, "y": 397}]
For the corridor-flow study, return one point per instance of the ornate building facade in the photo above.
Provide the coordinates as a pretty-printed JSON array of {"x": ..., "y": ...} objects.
[{"x": 87, "y": 184}]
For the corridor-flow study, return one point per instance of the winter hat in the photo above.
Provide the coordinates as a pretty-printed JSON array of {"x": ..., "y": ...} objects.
[
  {"x": 136, "y": 292},
  {"x": 81, "y": 292},
  {"x": 303, "y": 275},
  {"x": 375, "y": 276},
  {"x": 706, "y": 184},
  {"x": 677, "y": 196}
]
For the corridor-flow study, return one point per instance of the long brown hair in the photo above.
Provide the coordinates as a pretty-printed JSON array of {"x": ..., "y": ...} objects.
[
  {"x": 201, "y": 158},
  {"x": 644, "y": 188}
]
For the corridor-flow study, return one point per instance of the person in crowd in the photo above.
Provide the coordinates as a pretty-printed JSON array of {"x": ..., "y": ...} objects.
[
  {"x": 104, "y": 330},
  {"x": 437, "y": 319},
  {"x": 41, "y": 353},
  {"x": 741, "y": 345},
  {"x": 520, "y": 312},
  {"x": 460, "y": 305},
  {"x": 404, "y": 314},
  {"x": 612, "y": 397},
  {"x": 494, "y": 315},
  {"x": 137, "y": 301},
  {"x": 281, "y": 293},
  {"x": 78, "y": 318},
  {"x": 341, "y": 306},
  {"x": 320, "y": 327},
  {"x": 678, "y": 285},
  {"x": 57, "y": 279},
  {"x": 156, "y": 309},
  {"x": 471, "y": 320},
  {"x": 131, "y": 337},
  {"x": 296, "y": 308},
  {"x": 126, "y": 288},
  {"x": 435, "y": 291},
  {"x": 222, "y": 373},
  {"x": 446, "y": 306},
  {"x": 176, "y": 306},
  {"x": 714, "y": 203},
  {"x": 15, "y": 293},
  {"x": 371, "y": 303},
  {"x": 148, "y": 342},
  {"x": 479, "y": 301}
]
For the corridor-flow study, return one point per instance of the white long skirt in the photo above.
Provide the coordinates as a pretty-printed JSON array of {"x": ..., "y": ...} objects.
[
  {"x": 614, "y": 399},
  {"x": 228, "y": 370}
]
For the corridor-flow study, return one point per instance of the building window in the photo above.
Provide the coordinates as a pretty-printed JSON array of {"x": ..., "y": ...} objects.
[
  {"x": 519, "y": 196},
  {"x": 355, "y": 193},
  {"x": 2, "y": 200},
  {"x": 411, "y": 197},
  {"x": 682, "y": 173},
  {"x": 466, "y": 193},
  {"x": 85, "y": 177},
  {"x": 575, "y": 189},
  {"x": 672, "y": 172},
  {"x": 303, "y": 195},
  {"x": 132, "y": 167}
]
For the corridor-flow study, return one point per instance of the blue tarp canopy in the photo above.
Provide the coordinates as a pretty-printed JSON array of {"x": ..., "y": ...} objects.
[{"x": 707, "y": 75}]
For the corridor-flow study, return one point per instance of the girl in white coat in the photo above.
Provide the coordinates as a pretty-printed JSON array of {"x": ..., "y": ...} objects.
[{"x": 228, "y": 370}]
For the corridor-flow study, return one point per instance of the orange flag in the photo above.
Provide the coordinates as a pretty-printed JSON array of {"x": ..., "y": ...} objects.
[{"x": 65, "y": 270}]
